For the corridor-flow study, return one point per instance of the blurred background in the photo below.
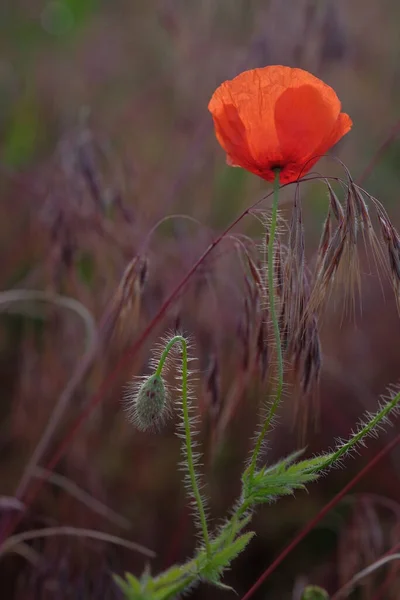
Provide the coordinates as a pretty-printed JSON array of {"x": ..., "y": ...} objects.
[{"x": 104, "y": 131}]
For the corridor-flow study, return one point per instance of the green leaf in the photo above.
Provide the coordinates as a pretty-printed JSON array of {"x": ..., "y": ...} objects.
[
  {"x": 171, "y": 591},
  {"x": 135, "y": 589},
  {"x": 174, "y": 581},
  {"x": 212, "y": 571},
  {"x": 227, "y": 555},
  {"x": 174, "y": 573},
  {"x": 133, "y": 582},
  {"x": 316, "y": 463},
  {"x": 229, "y": 532},
  {"x": 280, "y": 479},
  {"x": 130, "y": 588}
]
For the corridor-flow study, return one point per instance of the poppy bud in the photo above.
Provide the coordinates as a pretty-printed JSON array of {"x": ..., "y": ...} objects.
[
  {"x": 147, "y": 403},
  {"x": 313, "y": 592}
]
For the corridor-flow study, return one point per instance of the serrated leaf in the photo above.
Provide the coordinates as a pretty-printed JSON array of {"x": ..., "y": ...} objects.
[
  {"x": 171, "y": 591},
  {"x": 130, "y": 588},
  {"x": 224, "y": 557},
  {"x": 230, "y": 531},
  {"x": 133, "y": 582},
  {"x": 281, "y": 465},
  {"x": 314, "y": 463},
  {"x": 281, "y": 479},
  {"x": 172, "y": 575},
  {"x": 123, "y": 585},
  {"x": 175, "y": 580},
  {"x": 222, "y": 586}
]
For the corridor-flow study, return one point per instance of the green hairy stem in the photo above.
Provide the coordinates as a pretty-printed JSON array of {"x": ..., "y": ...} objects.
[
  {"x": 275, "y": 325},
  {"x": 178, "y": 339}
]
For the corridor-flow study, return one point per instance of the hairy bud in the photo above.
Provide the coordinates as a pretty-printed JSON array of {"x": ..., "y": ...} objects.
[
  {"x": 147, "y": 402},
  {"x": 313, "y": 592}
]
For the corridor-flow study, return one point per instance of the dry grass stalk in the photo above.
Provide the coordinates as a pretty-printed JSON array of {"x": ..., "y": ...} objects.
[
  {"x": 337, "y": 258},
  {"x": 299, "y": 323},
  {"x": 391, "y": 240},
  {"x": 301, "y": 294},
  {"x": 213, "y": 387},
  {"x": 126, "y": 304}
]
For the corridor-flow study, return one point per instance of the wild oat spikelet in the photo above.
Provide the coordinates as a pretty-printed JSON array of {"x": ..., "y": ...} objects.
[{"x": 146, "y": 402}]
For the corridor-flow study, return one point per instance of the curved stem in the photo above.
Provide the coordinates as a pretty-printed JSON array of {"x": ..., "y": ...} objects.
[
  {"x": 363, "y": 573},
  {"x": 275, "y": 325},
  {"x": 188, "y": 436},
  {"x": 14, "y": 541}
]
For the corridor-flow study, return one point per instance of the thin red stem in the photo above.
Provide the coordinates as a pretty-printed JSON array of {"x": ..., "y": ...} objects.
[{"x": 324, "y": 511}]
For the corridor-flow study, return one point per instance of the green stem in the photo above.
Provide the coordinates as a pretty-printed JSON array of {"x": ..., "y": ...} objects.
[
  {"x": 275, "y": 325},
  {"x": 188, "y": 436},
  {"x": 379, "y": 416}
]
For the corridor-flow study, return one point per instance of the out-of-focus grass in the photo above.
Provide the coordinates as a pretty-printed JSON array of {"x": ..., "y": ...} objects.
[
  {"x": 144, "y": 72},
  {"x": 26, "y": 32}
]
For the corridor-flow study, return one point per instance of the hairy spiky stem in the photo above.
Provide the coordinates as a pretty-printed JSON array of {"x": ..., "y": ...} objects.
[
  {"x": 275, "y": 325},
  {"x": 178, "y": 339},
  {"x": 366, "y": 428}
]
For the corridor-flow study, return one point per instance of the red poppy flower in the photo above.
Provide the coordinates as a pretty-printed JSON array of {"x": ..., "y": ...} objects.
[{"x": 277, "y": 117}]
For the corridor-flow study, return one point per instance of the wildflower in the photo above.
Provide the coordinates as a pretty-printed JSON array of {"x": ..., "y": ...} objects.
[{"x": 277, "y": 118}]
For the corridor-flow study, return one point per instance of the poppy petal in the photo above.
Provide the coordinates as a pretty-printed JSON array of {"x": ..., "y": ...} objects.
[
  {"x": 277, "y": 117},
  {"x": 304, "y": 119},
  {"x": 343, "y": 126}
]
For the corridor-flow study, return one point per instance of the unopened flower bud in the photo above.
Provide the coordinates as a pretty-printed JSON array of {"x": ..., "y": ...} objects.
[
  {"x": 149, "y": 403},
  {"x": 313, "y": 592}
]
